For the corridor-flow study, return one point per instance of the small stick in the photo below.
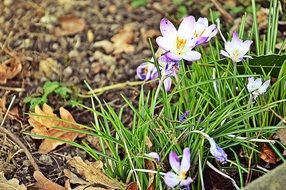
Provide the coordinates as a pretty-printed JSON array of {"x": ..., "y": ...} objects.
[
  {"x": 224, "y": 13},
  {"x": 12, "y": 88},
  {"x": 16, "y": 139}
]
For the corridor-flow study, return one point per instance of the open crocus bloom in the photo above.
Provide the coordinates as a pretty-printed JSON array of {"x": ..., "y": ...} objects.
[
  {"x": 236, "y": 48},
  {"x": 203, "y": 32},
  {"x": 179, "y": 176},
  {"x": 256, "y": 88},
  {"x": 147, "y": 71},
  {"x": 217, "y": 151},
  {"x": 178, "y": 44}
]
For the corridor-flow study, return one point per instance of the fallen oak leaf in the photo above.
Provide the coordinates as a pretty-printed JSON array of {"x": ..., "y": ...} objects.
[
  {"x": 10, "y": 68},
  {"x": 268, "y": 155},
  {"x": 123, "y": 39},
  {"x": 43, "y": 121},
  {"x": 92, "y": 172},
  {"x": 10, "y": 184},
  {"x": 70, "y": 25},
  {"x": 44, "y": 183}
]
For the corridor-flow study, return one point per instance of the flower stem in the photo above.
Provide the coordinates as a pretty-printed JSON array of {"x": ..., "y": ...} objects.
[
  {"x": 234, "y": 74},
  {"x": 157, "y": 94}
]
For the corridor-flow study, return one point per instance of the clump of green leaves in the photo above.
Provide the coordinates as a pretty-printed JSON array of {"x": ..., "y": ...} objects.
[{"x": 48, "y": 88}]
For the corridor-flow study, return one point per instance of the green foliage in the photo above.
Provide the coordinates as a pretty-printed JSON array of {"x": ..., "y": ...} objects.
[
  {"x": 48, "y": 88},
  {"x": 138, "y": 3}
]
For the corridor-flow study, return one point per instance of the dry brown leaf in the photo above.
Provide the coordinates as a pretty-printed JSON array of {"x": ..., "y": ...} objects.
[
  {"x": 150, "y": 165},
  {"x": 92, "y": 172},
  {"x": 70, "y": 25},
  {"x": 10, "y": 68},
  {"x": 44, "y": 126},
  {"x": 281, "y": 134},
  {"x": 132, "y": 186},
  {"x": 122, "y": 41},
  {"x": 268, "y": 155},
  {"x": 44, "y": 183},
  {"x": 10, "y": 184}
]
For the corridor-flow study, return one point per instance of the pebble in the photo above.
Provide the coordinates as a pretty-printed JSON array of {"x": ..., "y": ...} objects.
[
  {"x": 8, "y": 2},
  {"x": 90, "y": 36},
  {"x": 67, "y": 72},
  {"x": 46, "y": 159}
]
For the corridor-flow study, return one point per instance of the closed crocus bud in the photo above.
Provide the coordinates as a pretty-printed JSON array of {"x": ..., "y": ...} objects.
[{"x": 217, "y": 152}]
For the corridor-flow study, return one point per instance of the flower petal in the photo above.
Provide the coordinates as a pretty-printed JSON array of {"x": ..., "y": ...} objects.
[
  {"x": 264, "y": 87},
  {"x": 171, "y": 179},
  {"x": 154, "y": 155},
  {"x": 186, "y": 160},
  {"x": 167, "y": 28},
  {"x": 174, "y": 161},
  {"x": 186, "y": 27},
  {"x": 186, "y": 182},
  {"x": 173, "y": 56},
  {"x": 164, "y": 43},
  {"x": 168, "y": 83},
  {"x": 192, "y": 56},
  {"x": 224, "y": 53}
]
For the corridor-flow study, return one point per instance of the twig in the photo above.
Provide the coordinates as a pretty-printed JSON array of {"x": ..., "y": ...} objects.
[
  {"x": 112, "y": 87},
  {"x": 16, "y": 139},
  {"x": 279, "y": 116},
  {"x": 224, "y": 13},
  {"x": 12, "y": 88}
]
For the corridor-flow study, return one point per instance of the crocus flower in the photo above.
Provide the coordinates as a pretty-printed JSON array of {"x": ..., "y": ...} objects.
[
  {"x": 147, "y": 71},
  {"x": 184, "y": 116},
  {"x": 256, "y": 87},
  {"x": 178, "y": 44},
  {"x": 217, "y": 151},
  {"x": 154, "y": 155},
  {"x": 203, "y": 32},
  {"x": 169, "y": 69},
  {"x": 236, "y": 48},
  {"x": 179, "y": 174}
]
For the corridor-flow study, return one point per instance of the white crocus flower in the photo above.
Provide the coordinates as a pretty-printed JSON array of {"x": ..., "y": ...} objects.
[
  {"x": 203, "y": 32},
  {"x": 256, "y": 87},
  {"x": 236, "y": 48}
]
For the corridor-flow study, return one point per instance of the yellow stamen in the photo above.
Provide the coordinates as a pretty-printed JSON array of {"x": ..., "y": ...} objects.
[
  {"x": 183, "y": 175},
  {"x": 180, "y": 43}
]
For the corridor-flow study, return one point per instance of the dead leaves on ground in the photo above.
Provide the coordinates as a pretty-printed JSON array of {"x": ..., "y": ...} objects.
[
  {"x": 10, "y": 67},
  {"x": 69, "y": 25},
  {"x": 43, "y": 122},
  {"x": 92, "y": 174},
  {"x": 10, "y": 184}
]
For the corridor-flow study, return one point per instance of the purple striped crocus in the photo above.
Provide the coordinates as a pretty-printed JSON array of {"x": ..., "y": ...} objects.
[{"x": 180, "y": 168}]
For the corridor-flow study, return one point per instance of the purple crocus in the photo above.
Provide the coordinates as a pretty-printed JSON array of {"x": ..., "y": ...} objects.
[
  {"x": 180, "y": 168},
  {"x": 217, "y": 152},
  {"x": 203, "y": 32},
  {"x": 184, "y": 116},
  {"x": 169, "y": 69},
  {"x": 178, "y": 44},
  {"x": 236, "y": 48},
  {"x": 154, "y": 155},
  {"x": 147, "y": 71}
]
